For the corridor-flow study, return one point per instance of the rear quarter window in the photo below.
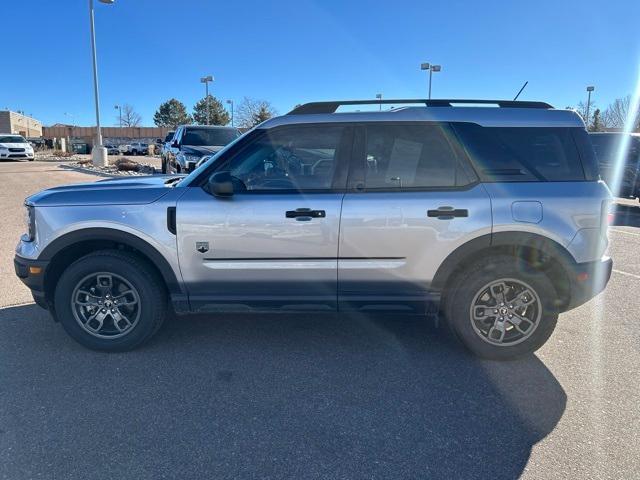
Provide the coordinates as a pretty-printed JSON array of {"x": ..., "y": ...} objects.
[{"x": 522, "y": 154}]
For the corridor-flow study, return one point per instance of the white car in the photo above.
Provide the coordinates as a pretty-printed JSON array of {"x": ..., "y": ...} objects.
[{"x": 15, "y": 146}]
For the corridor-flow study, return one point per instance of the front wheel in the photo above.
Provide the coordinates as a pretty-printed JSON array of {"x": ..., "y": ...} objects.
[
  {"x": 110, "y": 301},
  {"x": 501, "y": 309}
]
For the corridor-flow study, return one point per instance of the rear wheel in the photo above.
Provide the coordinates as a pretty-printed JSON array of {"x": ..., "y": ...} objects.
[
  {"x": 500, "y": 308},
  {"x": 110, "y": 300}
]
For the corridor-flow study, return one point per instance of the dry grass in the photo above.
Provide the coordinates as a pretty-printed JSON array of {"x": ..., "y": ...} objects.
[{"x": 126, "y": 165}]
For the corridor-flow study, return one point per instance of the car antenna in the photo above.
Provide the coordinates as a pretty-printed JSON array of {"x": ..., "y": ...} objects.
[{"x": 520, "y": 91}]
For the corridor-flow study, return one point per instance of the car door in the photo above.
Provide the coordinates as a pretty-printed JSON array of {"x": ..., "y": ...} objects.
[
  {"x": 274, "y": 242},
  {"x": 412, "y": 199}
]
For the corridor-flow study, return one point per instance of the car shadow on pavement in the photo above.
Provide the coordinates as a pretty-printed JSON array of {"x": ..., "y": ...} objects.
[
  {"x": 626, "y": 215},
  {"x": 268, "y": 396}
]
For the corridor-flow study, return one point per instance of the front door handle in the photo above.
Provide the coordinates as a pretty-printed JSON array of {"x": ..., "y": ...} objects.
[
  {"x": 305, "y": 214},
  {"x": 448, "y": 213}
]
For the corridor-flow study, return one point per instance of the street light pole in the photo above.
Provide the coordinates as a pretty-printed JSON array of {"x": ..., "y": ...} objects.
[
  {"x": 230, "y": 102},
  {"x": 99, "y": 153},
  {"x": 206, "y": 81},
  {"x": 118, "y": 107},
  {"x": 590, "y": 89},
  {"x": 431, "y": 68}
]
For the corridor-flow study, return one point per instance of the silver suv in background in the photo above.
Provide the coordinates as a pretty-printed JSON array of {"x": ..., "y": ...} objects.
[
  {"x": 191, "y": 142},
  {"x": 495, "y": 214}
]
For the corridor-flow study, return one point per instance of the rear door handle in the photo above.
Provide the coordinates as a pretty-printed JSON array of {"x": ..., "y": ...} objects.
[
  {"x": 448, "y": 213},
  {"x": 305, "y": 214}
]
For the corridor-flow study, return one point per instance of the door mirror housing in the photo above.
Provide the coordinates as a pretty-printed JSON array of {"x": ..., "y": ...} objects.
[
  {"x": 220, "y": 184},
  {"x": 175, "y": 144}
]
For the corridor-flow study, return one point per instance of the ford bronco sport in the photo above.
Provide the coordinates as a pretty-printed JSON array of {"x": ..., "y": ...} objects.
[{"x": 492, "y": 210}]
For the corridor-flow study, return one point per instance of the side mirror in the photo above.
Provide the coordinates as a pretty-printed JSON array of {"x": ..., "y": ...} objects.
[
  {"x": 175, "y": 144},
  {"x": 220, "y": 184}
]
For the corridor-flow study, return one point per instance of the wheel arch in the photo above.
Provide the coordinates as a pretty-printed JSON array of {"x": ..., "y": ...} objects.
[
  {"x": 74, "y": 245},
  {"x": 541, "y": 252}
]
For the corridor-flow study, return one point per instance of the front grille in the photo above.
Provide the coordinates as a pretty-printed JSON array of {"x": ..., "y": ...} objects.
[
  {"x": 16, "y": 149},
  {"x": 18, "y": 155}
]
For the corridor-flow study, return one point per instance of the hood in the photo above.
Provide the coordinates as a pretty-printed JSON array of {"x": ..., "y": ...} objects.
[
  {"x": 16, "y": 145},
  {"x": 202, "y": 149},
  {"x": 119, "y": 191}
]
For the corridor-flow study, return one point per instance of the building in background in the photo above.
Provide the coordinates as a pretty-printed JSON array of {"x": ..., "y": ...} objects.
[{"x": 20, "y": 124}]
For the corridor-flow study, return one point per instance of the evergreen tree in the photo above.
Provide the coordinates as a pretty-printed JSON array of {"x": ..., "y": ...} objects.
[
  {"x": 218, "y": 115},
  {"x": 172, "y": 114}
]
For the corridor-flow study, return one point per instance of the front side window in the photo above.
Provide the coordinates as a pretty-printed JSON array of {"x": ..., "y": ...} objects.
[
  {"x": 522, "y": 154},
  {"x": 412, "y": 156},
  {"x": 293, "y": 158}
]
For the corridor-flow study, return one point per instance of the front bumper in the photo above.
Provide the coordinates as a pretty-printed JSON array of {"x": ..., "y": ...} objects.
[
  {"x": 588, "y": 280},
  {"x": 32, "y": 273},
  {"x": 5, "y": 154}
]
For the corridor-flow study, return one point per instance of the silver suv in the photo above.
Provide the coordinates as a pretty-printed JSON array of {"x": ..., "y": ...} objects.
[{"x": 492, "y": 210}]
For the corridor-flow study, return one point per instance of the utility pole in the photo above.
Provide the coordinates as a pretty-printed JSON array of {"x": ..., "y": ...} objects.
[{"x": 206, "y": 80}]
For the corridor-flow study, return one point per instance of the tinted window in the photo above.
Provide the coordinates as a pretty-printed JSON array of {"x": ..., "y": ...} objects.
[
  {"x": 521, "y": 153},
  {"x": 209, "y": 136},
  {"x": 412, "y": 156},
  {"x": 296, "y": 158}
]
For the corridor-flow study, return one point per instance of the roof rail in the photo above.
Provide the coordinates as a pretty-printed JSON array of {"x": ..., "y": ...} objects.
[{"x": 332, "y": 106}]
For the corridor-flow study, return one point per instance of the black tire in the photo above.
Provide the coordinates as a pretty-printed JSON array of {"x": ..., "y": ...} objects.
[
  {"x": 467, "y": 284},
  {"x": 178, "y": 169},
  {"x": 151, "y": 298}
]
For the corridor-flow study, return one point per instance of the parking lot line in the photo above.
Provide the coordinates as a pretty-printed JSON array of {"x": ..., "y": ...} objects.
[
  {"x": 624, "y": 231},
  {"x": 633, "y": 275}
]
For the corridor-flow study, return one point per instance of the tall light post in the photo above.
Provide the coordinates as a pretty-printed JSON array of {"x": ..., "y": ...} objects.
[
  {"x": 230, "y": 102},
  {"x": 590, "y": 89},
  {"x": 431, "y": 68},
  {"x": 379, "y": 97},
  {"x": 119, "y": 107},
  {"x": 99, "y": 153},
  {"x": 206, "y": 80}
]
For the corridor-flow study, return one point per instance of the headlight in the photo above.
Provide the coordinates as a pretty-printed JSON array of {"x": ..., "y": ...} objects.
[{"x": 30, "y": 221}]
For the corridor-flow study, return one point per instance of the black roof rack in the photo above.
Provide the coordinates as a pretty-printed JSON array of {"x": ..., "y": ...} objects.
[{"x": 332, "y": 106}]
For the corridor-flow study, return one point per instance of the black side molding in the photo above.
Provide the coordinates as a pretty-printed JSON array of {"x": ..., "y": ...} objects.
[{"x": 171, "y": 219}]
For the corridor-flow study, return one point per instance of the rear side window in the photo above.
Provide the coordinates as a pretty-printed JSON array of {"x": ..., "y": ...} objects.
[
  {"x": 412, "y": 156},
  {"x": 522, "y": 154}
]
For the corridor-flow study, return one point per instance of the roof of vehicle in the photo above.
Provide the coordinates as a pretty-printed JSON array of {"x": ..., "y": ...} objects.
[
  {"x": 489, "y": 113},
  {"x": 209, "y": 127}
]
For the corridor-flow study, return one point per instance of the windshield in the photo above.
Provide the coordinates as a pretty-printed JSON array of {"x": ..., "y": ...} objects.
[
  {"x": 12, "y": 139},
  {"x": 203, "y": 166},
  {"x": 209, "y": 136}
]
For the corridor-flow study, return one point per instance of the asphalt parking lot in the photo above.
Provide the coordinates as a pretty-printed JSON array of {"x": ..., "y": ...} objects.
[{"x": 324, "y": 396}]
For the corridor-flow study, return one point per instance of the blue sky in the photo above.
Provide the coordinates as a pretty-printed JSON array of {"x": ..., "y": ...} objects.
[{"x": 294, "y": 51}]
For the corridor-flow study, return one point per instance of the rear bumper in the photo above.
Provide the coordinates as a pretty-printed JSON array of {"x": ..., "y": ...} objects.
[
  {"x": 588, "y": 280},
  {"x": 32, "y": 272}
]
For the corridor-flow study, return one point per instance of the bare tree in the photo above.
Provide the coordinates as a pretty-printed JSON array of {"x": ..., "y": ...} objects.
[
  {"x": 252, "y": 111},
  {"x": 130, "y": 118},
  {"x": 617, "y": 113}
]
